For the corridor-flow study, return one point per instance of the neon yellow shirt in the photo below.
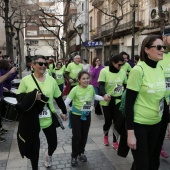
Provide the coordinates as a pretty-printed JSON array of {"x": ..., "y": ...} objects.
[
  {"x": 126, "y": 67},
  {"x": 150, "y": 85},
  {"x": 73, "y": 70},
  {"x": 49, "y": 88},
  {"x": 165, "y": 63},
  {"x": 113, "y": 83},
  {"x": 59, "y": 76},
  {"x": 81, "y": 96}
]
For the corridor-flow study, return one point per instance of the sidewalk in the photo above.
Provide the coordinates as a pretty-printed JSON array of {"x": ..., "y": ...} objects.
[{"x": 99, "y": 157}]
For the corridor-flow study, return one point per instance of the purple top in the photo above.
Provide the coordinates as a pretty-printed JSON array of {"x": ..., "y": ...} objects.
[
  {"x": 94, "y": 72},
  {"x": 7, "y": 82}
]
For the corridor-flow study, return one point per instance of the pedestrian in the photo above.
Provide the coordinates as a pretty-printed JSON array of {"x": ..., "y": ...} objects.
[
  {"x": 59, "y": 75},
  {"x": 82, "y": 97},
  {"x": 37, "y": 112},
  {"x": 2, "y": 79},
  {"x": 144, "y": 102},
  {"x": 94, "y": 72},
  {"x": 112, "y": 81},
  {"x": 136, "y": 59},
  {"x": 86, "y": 66},
  {"x": 165, "y": 63}
]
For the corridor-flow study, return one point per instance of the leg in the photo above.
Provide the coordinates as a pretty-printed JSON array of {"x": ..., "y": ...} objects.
[
  {"x": 61, "y": 87},
  {"x": 35, "y": 154},
  {"x": 84, "y": 132},
  {"x": 51, "y": 136}
]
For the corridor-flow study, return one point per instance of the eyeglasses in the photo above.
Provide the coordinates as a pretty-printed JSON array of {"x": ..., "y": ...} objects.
[
  {"x": 97, "y": 60},
  {"x": 159, "y": 47},
  {"x": 41, "y": 64}
]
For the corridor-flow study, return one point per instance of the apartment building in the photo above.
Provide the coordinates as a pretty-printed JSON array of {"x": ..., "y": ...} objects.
[
  {"x": 101, "y": 25},
  {"x": 39, "y": 37}
]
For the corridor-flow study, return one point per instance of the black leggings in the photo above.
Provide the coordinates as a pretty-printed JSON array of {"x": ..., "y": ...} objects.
[
  {"x": 51, "y": 136},
  {"x": 146, "y": 136},
  {"x": 80, "y": 130}
]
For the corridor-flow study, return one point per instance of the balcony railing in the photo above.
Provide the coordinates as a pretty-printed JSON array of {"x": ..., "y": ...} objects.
[
  {"x": 97, "y": 3},
  {"x": 107, "y": 28}
]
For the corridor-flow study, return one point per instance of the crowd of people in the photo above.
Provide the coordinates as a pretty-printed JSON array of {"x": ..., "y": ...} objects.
[{"x": 142, "y": 126}]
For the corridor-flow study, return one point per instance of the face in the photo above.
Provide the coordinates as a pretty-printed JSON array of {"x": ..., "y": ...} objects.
[
  {"x": 125, "y": 58},
  {"x": 97, "y": 62},
  {"x": 77, "y": 60},
  {"x": 118, "y": 65},
  {"x": 84, "y": 80},
  {"x": 50, "y": 60},
  {"x": 166, "y": 40},
  {"x": 154, "y": 53},
  {"x": 39, "y": 66},
  {"x": 58, "y": 65}
]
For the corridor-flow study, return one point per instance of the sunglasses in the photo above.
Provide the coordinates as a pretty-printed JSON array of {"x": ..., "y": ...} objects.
[
  {"x": 120, "y": 65},
  {"x": 41, "y": 64},
  {"x": 159, "y": 47}
]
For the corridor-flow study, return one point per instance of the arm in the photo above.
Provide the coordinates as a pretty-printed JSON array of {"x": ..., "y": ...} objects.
[
  {"x": 129, "y": 111},
  {"x": 97, "y": 97},
  {"x": 67, "y": 102},
  {"x": 61, "y": 104},
  {"x": 4, "y": 77},
  {"x": 66, "y": 75},
  {"x": 103, "y": 91},
  {"x": 93, "y": 71}
]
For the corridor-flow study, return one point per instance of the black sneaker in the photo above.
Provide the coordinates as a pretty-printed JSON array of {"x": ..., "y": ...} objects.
[
  {"x": 83, "y": 157},
  {"x": 73, "y": 161},
  {"x": 2, "y": 139},
  {"x": 3, "y": 131}
]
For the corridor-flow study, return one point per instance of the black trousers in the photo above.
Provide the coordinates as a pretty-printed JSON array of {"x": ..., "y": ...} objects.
[
  {"x": 155, "y": 158},
  {"x": 51, "y": 136},
  {"x": 111, "y": 115},
  {"x": 146, "y": 136},
  {"x": 80, "y": 130}
]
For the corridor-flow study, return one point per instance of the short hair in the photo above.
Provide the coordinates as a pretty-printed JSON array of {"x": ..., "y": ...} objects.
[
  {"x": 116, "y": 58},
  {"x": 147, "y": 42},
  {"x": 77, "y": 56},
  {"x": 124, "y": 53},
  {"x": 37, "y": 57},
  {"x": 166, "y": 32},
  {"x": 59, "y": 63},
  {"x": 85, "y": 60}
]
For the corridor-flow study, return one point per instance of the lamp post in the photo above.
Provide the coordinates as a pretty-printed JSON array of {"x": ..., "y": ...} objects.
[
  {"x": 80, "y": 31},
  {"x": 134, "y": 5}
]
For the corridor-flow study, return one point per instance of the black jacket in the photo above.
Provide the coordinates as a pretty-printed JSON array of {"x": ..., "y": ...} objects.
[{"x": 29, "y": 127}]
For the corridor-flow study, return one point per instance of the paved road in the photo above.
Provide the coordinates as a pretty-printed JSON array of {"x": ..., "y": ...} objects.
[{"x": 99, "y": 157}]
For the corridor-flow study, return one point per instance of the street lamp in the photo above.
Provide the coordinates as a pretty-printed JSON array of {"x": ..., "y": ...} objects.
[
  {"x": 134, "y": 5},
  {"x": 80, "y": 31}
]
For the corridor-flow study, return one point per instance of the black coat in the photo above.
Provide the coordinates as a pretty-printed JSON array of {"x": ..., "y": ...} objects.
[{"x": 29, "y": 126}]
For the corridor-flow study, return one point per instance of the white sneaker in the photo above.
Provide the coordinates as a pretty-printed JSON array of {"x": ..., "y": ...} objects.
[{"x": 48, "y": 160}]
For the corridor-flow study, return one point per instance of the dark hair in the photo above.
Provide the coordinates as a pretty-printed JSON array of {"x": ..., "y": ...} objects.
[
  {"x": 37, "y": 57},
  {"x": 147, "y": 42},
  {"x": 124, "y": 53},
  {"x": 4, "y": 64},
  {"x": 116, "y": 58},
  {"x": 81, "y": 74},
  {"x": 59, "y": 63},
  {"x": 136, "y": 57},
  {"x": 85, "y": 60},
  {"x": 94, "y": 61}
]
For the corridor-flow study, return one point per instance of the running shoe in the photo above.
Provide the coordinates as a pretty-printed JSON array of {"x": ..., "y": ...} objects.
[
  {"x": 48, "y": 160},
  {"x": 83, "y": 157},
  {"x": 106, "y": 140},
  {"x": 115, "y": 145},
  {"x": 164, "y": 154},
  {"x": 73, "y": 161}
]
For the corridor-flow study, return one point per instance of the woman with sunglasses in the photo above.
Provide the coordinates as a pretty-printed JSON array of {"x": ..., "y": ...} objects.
[
  {"x": 94, "y": 72},
  {"x": 144, "y": 102},
  {"x": 59, "y": 75},
  {"x": 36, "y": 107},
  {"x": 112, "y": 81}
]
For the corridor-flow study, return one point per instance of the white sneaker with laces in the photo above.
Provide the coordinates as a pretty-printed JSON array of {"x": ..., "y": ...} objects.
[{"x": 48, "y": 160}]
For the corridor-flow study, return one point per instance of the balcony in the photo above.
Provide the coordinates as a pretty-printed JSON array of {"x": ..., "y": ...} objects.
[
  {"x": 107, "y": 28},
  {"x": 97, "y": 3}
]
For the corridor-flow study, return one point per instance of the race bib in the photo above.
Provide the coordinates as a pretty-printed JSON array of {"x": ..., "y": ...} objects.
[
  {"x": 59, "y": 76},
  {"x": 161, "y": 107},
  {"x": 167, "y": 81},
  {"x": 117, "y": 89},
  {"x": 87, "y": 107},
  {"x": 45, "y": 113}
]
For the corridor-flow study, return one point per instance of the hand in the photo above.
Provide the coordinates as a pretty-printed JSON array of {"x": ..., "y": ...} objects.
[
  {"x": 70, "y": 81},
  {"x": 64, "y": 117},
  {"x": 38, "y": 97},
  {"x": 107, "y": 97},
  {"x": 131, "y": 140},
  {"x": 13, "y": 70},
  {"x": 5, "y": 89},
  {"x": 97, "y": 66}
]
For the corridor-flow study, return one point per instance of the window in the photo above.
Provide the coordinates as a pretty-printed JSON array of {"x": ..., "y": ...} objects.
[
  {"x": 31, "y": 33},
  {"x": 33, "y": 42},
  {"x": 90, "y": 23},
  {"x": 82, "y": 6}
]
